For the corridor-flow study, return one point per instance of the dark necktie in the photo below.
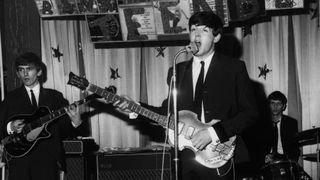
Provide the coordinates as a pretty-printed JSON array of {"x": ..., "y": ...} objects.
[
  {"x": 33, "y": 100},
  {"x": 198, "y": 93},
  {"x": 275, "y": 140}
]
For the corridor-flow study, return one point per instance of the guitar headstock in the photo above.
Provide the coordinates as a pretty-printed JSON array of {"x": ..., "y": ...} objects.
[{"x": 78, "y": 81}]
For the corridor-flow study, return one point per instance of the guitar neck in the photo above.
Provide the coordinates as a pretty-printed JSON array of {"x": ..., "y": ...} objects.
[
  {"x": 132, "y": 106},
  {"x": 57, "y": 113}
]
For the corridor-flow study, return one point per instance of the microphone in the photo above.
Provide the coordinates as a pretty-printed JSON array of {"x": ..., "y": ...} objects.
[{"x": 191, "y": 48}]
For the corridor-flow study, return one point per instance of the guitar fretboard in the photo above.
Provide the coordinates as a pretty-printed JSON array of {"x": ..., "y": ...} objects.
[
  {"x": 132, "y": 106},
  {"x": 50, "y": 117}
]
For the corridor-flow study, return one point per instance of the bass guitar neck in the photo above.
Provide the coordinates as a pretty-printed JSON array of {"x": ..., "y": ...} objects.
[{"x": 213, "y": 156}]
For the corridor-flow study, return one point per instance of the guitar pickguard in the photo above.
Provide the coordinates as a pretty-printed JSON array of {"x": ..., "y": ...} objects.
[{"x": 214, "y": 155}]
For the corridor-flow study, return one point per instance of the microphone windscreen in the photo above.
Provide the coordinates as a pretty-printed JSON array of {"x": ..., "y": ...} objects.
[{"x": 192, "y": 47}]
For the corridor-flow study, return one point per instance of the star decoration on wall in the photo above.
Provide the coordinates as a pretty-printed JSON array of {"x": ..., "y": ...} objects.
[
  {"x": 160, "y": 51},
  {"x": 314, "y": 11},
  {"x": 56, "y": 52},
  {"x": 264, "y": 71},
  {"x": 114, "y": 74}
]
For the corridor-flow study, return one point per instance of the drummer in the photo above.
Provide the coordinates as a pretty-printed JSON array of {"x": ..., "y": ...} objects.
[{"x": 284, "y": 144}]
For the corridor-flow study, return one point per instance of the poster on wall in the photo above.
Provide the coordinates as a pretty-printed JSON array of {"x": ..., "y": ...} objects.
[
  {"x": 285, "y": 7},
  {"x": 47, "y": 8},
  {"x": 134, "y": 20},
  {"x": 104, "y": 27},
  {"x": 219, "y": 7},
  {"x": 283, "y": 4},
  {"x": 137, "y": 22},
  {"x": 50, "y": 8},
  {"x": 172, "y": 16}
]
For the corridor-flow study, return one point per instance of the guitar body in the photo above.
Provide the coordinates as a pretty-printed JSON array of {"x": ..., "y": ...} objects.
[
  {"x": 213, "y": 156},
  {"x": 19, "y": 144}
]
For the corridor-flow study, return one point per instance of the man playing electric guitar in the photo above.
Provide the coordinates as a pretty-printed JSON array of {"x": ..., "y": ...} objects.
[
  {"x": 224, "y": 93},
  {"x": 45, "y": 160}
]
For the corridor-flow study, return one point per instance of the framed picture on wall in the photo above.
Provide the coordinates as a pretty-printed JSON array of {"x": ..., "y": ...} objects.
[
  {"x": 285, "y": 7},
  {"x": 104, "y": 27},
  {"x": 137, "y": 22}
]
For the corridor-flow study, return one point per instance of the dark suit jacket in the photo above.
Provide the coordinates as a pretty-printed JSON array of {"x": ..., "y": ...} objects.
[
  {"x": 48, "y": 150},
  {"x": 289, "y": 137},
  {"x": 228, "y": 96}
]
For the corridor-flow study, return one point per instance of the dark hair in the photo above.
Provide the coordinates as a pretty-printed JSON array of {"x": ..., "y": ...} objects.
[
  {"x": 277, "y": 95},
  {"x": 207, "y": 18},
  {"x": 29, "y": 58}
]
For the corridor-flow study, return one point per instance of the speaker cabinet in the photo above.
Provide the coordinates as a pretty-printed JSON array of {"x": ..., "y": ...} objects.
[
  {"x": 80, "y": 159},
  {"x": 80, "y": 167},
  {"x": 134, "y": 166}
]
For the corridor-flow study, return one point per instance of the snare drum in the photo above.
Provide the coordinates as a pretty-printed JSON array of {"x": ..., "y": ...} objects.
[{"x": 280, "y": 170}]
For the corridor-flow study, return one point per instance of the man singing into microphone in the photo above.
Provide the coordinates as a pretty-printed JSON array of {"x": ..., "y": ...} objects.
[{"x": 217, "y": 89}]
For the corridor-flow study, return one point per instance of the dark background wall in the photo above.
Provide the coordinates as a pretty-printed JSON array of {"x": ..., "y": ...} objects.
[{"x": 20, "y": 32}]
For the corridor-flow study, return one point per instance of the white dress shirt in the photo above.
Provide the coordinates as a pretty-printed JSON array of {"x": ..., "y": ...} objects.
[{"x": 196, "y": 68}]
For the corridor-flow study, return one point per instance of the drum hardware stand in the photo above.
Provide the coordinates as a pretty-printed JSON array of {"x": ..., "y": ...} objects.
[
  {"x": 292, "y": 172},
  {"x": 318, "y": 158}
]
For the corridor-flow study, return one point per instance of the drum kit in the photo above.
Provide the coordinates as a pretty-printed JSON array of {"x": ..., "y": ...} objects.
[
  {"x": 311, "y": 137},
  {"x": 290, "y": 170}
]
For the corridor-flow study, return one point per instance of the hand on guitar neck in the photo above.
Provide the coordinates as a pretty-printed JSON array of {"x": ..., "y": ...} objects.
[
  {"x": 122, "y": 106},
  {"x": 73, "y": 113}
]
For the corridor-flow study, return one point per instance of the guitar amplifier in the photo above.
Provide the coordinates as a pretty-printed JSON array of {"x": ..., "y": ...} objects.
[
  {"x": 80, "y": 159},
  {"x": 133, "y": 166},
  {"x": 80, "y": 167},
  {"x": 79, "y": 146}
]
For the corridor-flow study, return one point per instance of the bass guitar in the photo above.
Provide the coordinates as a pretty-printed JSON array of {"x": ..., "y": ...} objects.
[
  {"x": 213, "y": 156},
  {"x": 19, "y": 144}
]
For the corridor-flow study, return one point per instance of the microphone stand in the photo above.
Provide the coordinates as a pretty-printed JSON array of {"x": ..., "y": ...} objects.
[{"x": 175, "y": 112}]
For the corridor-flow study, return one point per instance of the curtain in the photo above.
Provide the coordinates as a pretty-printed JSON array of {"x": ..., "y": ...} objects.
[
  {"x": 287, "y": 48},
  {"x": 307, "y": 43}
]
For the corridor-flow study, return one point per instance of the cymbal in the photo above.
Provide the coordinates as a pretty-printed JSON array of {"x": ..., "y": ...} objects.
[
  {"x": 310, "y": 157},
  {"x": 308, "y": 137}
]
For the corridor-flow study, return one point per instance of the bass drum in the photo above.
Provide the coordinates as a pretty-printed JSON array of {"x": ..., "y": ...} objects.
[{"x": 280, "y": 170}]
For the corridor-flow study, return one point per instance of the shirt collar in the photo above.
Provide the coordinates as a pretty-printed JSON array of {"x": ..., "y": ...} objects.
[
  {"x": 35, "y": 89},
  {"x": 206, "y": 60}
]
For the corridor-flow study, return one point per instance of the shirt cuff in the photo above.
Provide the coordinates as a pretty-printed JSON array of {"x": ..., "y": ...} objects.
[
  {"x": 9, "y": 130},
  {"x": 133, "y": 115},
  {"x": 75, "y": 125},
  {"x": 214, "y": 136}
]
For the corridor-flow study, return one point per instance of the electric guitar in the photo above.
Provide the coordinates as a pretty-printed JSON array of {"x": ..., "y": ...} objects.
[
  {"x": 213, "y": 156},
  {"x": 19, "y": 144}
]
